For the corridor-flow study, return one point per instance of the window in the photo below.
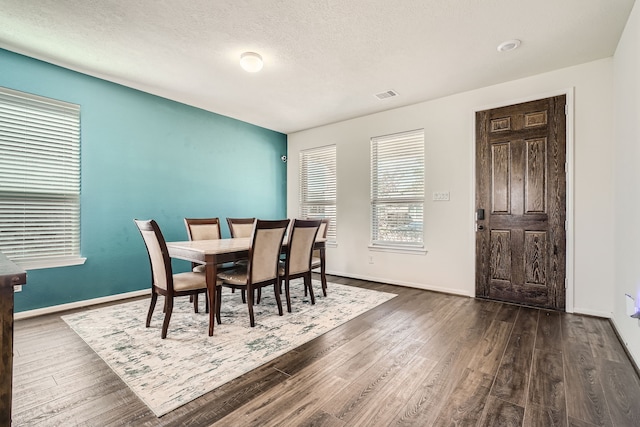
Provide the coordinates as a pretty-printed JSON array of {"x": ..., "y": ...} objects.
[
  {"x": 397, "y": 189},
  {"x": 39, "y": 180},
  {"x": 318, "y": 186}
]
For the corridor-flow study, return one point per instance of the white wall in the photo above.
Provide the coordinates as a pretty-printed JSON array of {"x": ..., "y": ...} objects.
[
  {"x": 449, "y": 228},
  {"x": 627, "y": 180}
]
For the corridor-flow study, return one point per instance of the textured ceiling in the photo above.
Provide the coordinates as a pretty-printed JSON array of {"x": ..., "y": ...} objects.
[{"x": 324, "y": 60}]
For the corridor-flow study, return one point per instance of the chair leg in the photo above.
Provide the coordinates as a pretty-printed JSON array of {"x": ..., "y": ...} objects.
[
  {"x": 218, "y": 303},
  {"x": 194, "y": 297},
  {"x": 252, "y": 321},
  {"x": 244, "y": 298},
  {"x": 288, "y": 294},
  {"x": 323, "y": 279},
  {"x": 167, "y": 316},
  {"x": 154, "y": 298},
  {"x": 259, "y": 291},
  {"x": 206, "y": 302},
  {"x": 276, "y": 292},
  {"x": 307, "y": 284}
]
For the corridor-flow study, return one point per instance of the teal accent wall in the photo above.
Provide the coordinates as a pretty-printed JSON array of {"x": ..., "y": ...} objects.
[{"x": 144, "y": 157}]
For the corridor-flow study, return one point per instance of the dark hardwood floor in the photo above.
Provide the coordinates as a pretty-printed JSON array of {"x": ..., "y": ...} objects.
[{"x": 421, "y": 359}]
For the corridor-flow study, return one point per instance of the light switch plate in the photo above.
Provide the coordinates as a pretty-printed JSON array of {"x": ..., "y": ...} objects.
[
  {"x": 631, "y": 305},
  {"x": 441, "y": 195}
]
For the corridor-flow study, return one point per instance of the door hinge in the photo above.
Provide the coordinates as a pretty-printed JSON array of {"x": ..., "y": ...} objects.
[
  {"x": 566, "y": 109},
  {"x": 565, "y": 283}
]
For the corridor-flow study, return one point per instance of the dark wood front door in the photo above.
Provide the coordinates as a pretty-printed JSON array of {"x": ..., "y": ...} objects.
[{"x": 521, "y": 203}]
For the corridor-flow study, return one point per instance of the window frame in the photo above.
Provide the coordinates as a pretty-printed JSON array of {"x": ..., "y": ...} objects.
[
  {"x": 39, "y": 180},
  {"x": 409, "y": 149},
  {"x": 327, "y": 153}
]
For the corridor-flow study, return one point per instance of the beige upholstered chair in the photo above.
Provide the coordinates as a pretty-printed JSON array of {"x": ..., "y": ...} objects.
[
  {"x": 163, "y": 281},
  {"x": 298, "y": 256},
  {"x": 318, "y": 260},
  {"x": 241, "y": 227},
  {"x": 202, "y": 229},
  {"x": 262, "y": 267}
]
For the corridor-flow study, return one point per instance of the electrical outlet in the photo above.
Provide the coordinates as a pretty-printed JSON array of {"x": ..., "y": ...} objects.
[
  {"x": 17, "y": 288},
  {"x": 441, "y": 195},
  {"x": 370, "y": 259}
]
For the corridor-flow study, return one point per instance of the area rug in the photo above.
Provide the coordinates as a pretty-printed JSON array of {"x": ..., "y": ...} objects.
[{"x": 166, "y": 374}]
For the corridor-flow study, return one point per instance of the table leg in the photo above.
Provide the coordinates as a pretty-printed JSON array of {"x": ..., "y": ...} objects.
[{"x": 211, "y": 277}]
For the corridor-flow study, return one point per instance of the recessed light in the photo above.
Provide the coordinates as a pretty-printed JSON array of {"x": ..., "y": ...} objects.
[
  {"x": 251, "y": 62},
  {"x": 509, "y": 45}
]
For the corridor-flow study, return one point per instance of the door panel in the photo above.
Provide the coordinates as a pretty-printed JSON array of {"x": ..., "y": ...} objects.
[{"x": 520, "y": 184}]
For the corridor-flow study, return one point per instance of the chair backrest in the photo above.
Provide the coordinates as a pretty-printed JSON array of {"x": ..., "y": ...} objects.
[
  {"x": 322, "y": 232},
  {"x": 300, "y": 248},
  {"x": 162, "y": 275},
  {"x": 202, "y": 228},
  {"x": 264, "y": 253},
  {"x": 324, "y": 227},
  {"x": 241, "y": 227}
]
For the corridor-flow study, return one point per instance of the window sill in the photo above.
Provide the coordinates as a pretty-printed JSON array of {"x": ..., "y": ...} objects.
[
  {"x": 51, "y": 263},
  {"x": 414, "y": 250}
]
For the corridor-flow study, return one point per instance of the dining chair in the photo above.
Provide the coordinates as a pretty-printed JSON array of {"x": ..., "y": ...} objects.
[
  {"x": 241, "y": 227},
  {"x": 298, "y": 256},
  {"x": 318, "y": 260},
  {"x": 203, "y": 229},
  {"x": 163, "y": 281},
  {"x": 262, "y": 266}
]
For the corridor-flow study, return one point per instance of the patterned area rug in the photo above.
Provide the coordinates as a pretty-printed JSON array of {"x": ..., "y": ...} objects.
[{"x": 168, "y": 373}]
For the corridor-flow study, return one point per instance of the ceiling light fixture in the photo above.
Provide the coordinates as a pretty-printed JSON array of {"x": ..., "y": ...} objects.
[
  {"x": 509, "y": 45},
  {"x": 251, "y": 62}
]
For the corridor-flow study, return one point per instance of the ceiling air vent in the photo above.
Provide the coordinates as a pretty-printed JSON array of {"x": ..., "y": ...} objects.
[{"x": 387, "y": 94}]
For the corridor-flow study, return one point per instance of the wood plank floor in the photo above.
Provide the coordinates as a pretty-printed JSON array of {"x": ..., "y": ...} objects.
[{"x": 421, "y": 359}]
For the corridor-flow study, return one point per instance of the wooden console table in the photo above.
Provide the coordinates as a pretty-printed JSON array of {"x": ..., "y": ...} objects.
[{"x": 10, "y": 275}]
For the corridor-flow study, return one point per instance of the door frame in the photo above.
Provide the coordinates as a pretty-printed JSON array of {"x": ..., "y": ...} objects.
[{"x": 569, "y": 92}]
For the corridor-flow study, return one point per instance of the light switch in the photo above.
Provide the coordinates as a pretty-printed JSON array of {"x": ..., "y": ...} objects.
[
  {"x": 441, "y": 195},
  {"x": 631, "y": 306}
]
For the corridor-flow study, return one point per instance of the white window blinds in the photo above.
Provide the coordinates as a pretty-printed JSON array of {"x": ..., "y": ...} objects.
[
  {"x": 39, "y": 180},
  {"x": 318, "y": 186},
  {"x": 397, "y": 189}
]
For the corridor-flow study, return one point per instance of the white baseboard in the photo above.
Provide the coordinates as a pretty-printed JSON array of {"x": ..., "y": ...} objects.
[
  {"x": 78, "y": 304},
  {"x": 117, "y": 297},
  {"x": 594, "y": 313},
  {"x": 627, "y": 350},
  {"x": 576, "y": 310},
  {"x": 402, "y": 283}
]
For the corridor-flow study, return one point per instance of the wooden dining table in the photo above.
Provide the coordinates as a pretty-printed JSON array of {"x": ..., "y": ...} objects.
[{"x": 214, "y": 252}]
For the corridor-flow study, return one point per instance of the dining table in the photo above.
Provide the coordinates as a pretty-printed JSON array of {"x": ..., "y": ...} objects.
[{"x": 211, "y": 253}]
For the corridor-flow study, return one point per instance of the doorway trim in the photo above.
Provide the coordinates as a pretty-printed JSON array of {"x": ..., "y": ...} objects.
[{"x": 569, "y": 92}]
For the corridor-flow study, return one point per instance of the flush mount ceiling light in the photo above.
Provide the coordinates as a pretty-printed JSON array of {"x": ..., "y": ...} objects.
[
  {"x": 508, "y": 45},
  {"x": 251, "y": 62}
]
